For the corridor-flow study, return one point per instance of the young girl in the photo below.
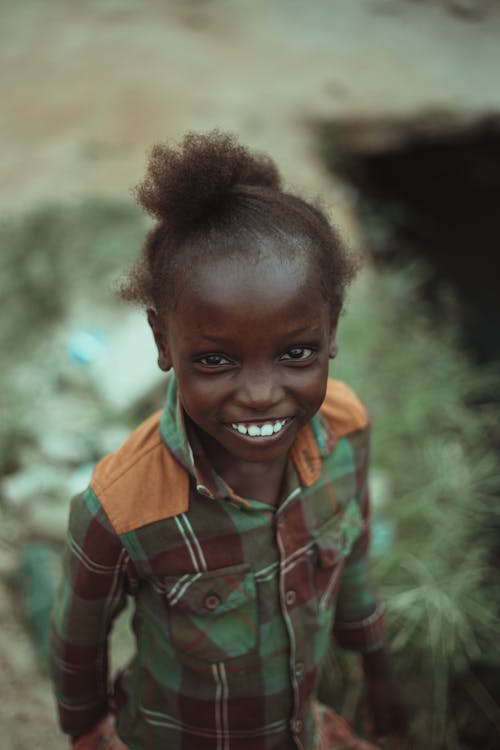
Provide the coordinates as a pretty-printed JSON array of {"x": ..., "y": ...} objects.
[{"x": 238, "y": 516}]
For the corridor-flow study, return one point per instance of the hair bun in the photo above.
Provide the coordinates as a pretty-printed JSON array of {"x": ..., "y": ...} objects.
[{"x": 185, "y": 184}]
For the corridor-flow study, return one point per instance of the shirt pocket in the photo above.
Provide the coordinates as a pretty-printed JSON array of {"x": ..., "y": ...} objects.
[
  {"x": 334, "y": 541},
  {"x": 213, "y": 615}
]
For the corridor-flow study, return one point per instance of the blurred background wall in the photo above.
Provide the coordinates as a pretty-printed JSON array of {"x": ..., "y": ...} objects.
[{"x": 87, "y": 88}]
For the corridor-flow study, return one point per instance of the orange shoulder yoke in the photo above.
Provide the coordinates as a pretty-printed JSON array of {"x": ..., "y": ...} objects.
[
  {"x": 345, "y": 414},
  {"x": 343, "y": 409},
  {"x": 141, "y": 482}
]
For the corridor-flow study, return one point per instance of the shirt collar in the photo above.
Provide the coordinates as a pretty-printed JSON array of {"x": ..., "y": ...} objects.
[
  {"x": 183, "y": 442},
  {"x": 314, "y": 442}
]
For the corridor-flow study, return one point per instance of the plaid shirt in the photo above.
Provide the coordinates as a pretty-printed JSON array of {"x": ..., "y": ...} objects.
[{"x": 235, "y": 600}]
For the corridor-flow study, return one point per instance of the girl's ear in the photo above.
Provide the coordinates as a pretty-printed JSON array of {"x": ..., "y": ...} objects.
[
  {"x": 164, "y": 359},
  {"x": 332, "y": 343}
]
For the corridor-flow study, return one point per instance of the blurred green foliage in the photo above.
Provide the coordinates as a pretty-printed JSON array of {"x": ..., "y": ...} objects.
[
  {"x": 55, "y": 253},
  {"x": 50, "y": 258},
  {"x": 435, "y": 441},
  {"x": 37, "y": 578}
]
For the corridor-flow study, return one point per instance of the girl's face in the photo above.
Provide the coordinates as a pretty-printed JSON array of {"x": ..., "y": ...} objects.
[{"x": 249, "y": 341}]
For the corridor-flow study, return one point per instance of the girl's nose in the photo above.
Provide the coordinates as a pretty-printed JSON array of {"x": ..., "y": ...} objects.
[{"x": 258, "y": 390}]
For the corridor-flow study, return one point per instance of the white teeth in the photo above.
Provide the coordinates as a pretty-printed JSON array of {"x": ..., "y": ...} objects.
[{"x": 254, "y": 430}]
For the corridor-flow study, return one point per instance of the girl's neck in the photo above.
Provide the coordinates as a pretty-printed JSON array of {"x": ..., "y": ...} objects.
[
  {"x": 249, "y": 479},
  {"x": 255, "y": 481}
]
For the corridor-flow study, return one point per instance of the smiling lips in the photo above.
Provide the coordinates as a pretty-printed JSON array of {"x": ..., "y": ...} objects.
[{"x": 265, "y": 429}]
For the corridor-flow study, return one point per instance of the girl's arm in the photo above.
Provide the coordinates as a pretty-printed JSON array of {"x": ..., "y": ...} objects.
[
  {"x": 92, "y": 591},
  {"x": 360, "y": 626},
  {"x": 359, "y": 621}
]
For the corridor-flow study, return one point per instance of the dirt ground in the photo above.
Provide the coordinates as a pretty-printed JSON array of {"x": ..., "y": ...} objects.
[{"x": 86, "y": 89}]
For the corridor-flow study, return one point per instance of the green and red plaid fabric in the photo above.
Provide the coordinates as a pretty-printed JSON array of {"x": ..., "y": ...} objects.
[{"x": 235, "y": 601}]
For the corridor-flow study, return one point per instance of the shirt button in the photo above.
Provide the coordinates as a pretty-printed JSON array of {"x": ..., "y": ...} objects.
[
  {"x": 297, "y": 726},
  {"x": 211, "y": 601},
  {"x": 299, "y": 669},
  {"x": 290, "y": 597}
]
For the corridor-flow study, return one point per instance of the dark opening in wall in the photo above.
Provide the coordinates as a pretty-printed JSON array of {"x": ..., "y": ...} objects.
[{"x": 431, "y": 187}]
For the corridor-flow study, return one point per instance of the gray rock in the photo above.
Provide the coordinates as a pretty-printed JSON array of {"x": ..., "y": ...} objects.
[
  {"x": 47, "y": 521},
  {"x": 31, "y": 483},
  {"x": 124, "y": 371}
]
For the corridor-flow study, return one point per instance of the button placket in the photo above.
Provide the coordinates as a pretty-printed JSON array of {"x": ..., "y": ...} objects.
[{"x": 289, "y": 599}]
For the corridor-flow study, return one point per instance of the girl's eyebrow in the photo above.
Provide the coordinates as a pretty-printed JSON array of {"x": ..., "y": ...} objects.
[
  {"x": 204, "y": 339},
  {"x": 304, "y": 329}
]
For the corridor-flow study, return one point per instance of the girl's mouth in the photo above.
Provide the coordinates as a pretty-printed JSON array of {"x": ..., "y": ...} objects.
[{"x": 264, "y": 429}]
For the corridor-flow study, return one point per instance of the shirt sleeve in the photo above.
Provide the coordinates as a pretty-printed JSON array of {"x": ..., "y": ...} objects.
[
  {"x": 359, "y": 619},
  {"x": 92, "y": 591}
]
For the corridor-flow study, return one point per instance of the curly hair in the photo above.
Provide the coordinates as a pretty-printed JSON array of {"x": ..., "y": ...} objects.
[{"x": 211, "y": 196}]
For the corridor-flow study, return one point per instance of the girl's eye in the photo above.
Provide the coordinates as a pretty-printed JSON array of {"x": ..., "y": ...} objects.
[
  {"x": 213, "y": 360},
  {"x": 298, "y": 353}
]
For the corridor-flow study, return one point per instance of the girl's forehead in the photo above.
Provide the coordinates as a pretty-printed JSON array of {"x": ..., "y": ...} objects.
[
  {"x": 259, "y": 272},
  {"x": 267, "y": 293}
]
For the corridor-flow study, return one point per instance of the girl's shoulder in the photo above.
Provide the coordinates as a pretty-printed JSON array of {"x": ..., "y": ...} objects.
[
  {"x": 132, "y": 483},
  {"x": 343, "y": 409}
]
